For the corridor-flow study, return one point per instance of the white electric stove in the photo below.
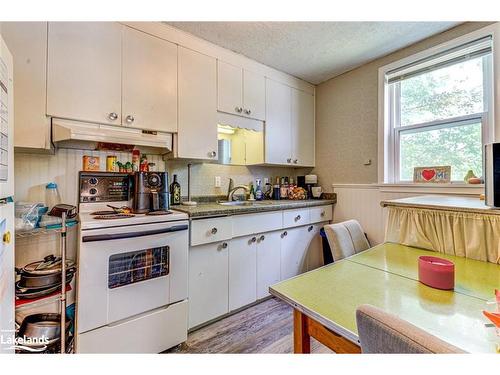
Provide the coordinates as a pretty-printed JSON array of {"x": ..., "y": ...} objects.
[{"x": 132, "y": 273}]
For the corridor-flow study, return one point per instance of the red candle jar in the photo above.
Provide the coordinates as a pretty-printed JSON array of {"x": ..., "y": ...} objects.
[{"x": 436, "y": 272}]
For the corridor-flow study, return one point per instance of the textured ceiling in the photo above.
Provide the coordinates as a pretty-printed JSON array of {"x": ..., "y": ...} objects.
[{"x": 313, "y": 51}]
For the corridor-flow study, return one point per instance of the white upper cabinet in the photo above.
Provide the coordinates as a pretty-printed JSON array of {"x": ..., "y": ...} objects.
[
  {"x": 84, "y": 71},
  {"x": 229, "y": 88},
  {"x": 27, "y": 41},
  {"x": 149, "y": 82},
  {"x": 278, "y": 133},
  {"x": 240, "y": 92},
  {"x": 254, "y": 95},
  {"x": 289, "y": 126},
  {"x": 302, "y": 128},
  {"x": 197, "y": 128}
]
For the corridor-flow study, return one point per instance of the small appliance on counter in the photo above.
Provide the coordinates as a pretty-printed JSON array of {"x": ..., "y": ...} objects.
[
  {"x": 150, "y": 192},
  {"x": 309, "y": 182},
  {"x": 492, "y": 174}
]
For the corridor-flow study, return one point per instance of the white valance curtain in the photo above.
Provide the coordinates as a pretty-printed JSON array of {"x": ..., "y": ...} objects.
[{"x": 470, "y": 235}]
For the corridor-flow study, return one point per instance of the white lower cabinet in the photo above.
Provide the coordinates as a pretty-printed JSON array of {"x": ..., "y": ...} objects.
[
  {"x": 208, "y": 282},
  {"x": 268, "y": 262},
  {"x": 242, "y": 272},
  {"x": 227, "y": 275}
]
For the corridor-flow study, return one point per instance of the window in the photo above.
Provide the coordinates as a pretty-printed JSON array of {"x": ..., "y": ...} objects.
[{"x": 438, "y": 111}]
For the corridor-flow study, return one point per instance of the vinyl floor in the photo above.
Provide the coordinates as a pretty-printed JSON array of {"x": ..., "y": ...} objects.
[{"x": 263, "y": 328}]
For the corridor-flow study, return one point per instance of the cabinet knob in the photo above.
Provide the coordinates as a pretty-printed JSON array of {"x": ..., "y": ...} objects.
[
  {"x": 288, "y": 160},
  {"x": 297, "y": 218},
  {"x": 253, "y": 239},
  {"x": 213, "y": 231},
  {"x": 224, "y": 245},
  {"x": 247, "y": 111},
  {"x": 310, "y": 228},
  {"x": 262, "y": 238},
  {"x": 295, "y": 161},
  {"x": 6, "y": 237},
  {"x": 129, "y": 119},
  {"x": 213, "y": 154},
  {"x": 285, "y": 233},
  {"x": 323, "y": 213},
  {"x": 238, "y": 109},
  {"x": 112, "y": 116}
]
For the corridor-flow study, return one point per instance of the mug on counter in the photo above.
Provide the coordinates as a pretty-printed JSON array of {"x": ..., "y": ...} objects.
[{"x": 316, "y": 191}]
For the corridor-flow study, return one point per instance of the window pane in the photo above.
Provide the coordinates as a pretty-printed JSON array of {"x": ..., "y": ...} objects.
[
  {"x": 458, "y": 146},
  {"x": 451, "y": 91}
]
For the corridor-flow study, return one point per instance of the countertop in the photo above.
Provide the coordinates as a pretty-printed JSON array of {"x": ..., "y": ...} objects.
[
  {"x": 439, "y": 202},
  {"x": 215, "y": 209}
]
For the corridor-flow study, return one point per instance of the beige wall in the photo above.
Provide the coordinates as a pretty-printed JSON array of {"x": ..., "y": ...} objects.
[{"x": 346, "y": 116}]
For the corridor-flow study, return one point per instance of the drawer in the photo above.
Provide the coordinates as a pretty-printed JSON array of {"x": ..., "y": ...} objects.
[
  {"x": 321, "y": 213},
  {"x": 152, "y": 332},
  {"x": 296, "y": 218},
  {"x": 244, "y": 225},
  {"x": 211, "y": 230}
]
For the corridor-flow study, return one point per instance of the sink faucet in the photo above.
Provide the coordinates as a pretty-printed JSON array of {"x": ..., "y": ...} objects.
[{"x": 232, "y": 189}]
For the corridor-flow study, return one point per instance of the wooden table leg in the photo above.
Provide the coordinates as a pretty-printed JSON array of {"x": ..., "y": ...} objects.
[{"x": 301, "y": 338}]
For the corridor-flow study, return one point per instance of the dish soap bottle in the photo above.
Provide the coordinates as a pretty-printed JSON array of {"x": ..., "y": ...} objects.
[{"x": 175, "y": 192}]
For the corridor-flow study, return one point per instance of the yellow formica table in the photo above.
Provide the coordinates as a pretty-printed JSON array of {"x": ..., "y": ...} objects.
[{"x": 386, "y": 276}]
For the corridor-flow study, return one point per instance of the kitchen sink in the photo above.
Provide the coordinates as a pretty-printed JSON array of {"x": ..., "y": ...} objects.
[{"x": 244, "y": 203}]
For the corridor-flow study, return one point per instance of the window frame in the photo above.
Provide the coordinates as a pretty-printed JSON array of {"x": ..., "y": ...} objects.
[{"x": 389, "y": 134}]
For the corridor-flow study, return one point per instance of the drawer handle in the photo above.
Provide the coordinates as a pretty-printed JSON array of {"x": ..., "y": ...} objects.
[
  {"x": 223, "y": 245},
  {"x": 310, "y": 228},
  {"x": 323, "y": 213},
  {"x": 253, "y": 239},
  {"x": 285, "y": 233},
  {"x": 262, "y": 238},
  {"x": 213, "y": 231},
  {"x": 297, "y": 218}
]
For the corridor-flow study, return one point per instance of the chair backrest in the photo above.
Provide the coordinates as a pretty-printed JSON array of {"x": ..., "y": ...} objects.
[
  {"x": 346, "y": 238},
  {"x": 381, "y": 332}
]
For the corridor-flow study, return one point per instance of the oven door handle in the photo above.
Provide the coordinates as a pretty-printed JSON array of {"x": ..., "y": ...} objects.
[{"x": 119, "y": 236}]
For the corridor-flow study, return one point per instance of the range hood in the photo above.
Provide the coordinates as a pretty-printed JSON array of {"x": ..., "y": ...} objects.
[{"x": 87, "y": 136}]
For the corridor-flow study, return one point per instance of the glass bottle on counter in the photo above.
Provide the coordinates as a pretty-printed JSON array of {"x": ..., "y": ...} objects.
[
  {"x": 259, "y": 195},
  {"x": 175, "y": 192},
  {"x": 284, "y": 188},
  {"x": 252, "y": 192},
  {"x": 276, "y": 189}
]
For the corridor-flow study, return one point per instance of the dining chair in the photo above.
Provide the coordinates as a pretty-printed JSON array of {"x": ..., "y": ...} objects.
[
  {"x": 384, "y": 333},
  {"x": 345, "y": 239}
]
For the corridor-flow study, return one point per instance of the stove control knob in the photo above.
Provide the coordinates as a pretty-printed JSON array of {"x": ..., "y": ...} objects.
[
  {"x": 93, "y": 181},
  {"x": 93, "y": 191}
]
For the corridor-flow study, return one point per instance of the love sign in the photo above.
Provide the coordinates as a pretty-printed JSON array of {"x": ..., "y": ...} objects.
[{"x": 440, "y": 174}]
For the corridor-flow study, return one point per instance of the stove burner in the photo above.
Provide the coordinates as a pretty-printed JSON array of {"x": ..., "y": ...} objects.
[
  {"x": 159, "y": 213},
  {"x": 109, "y": 212},
  {"x": 113, "y": 216}
]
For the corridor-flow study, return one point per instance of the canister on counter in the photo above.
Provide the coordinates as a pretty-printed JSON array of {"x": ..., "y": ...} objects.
[
  {"x": 111, "y": 163},
  {"x": 90, "y": 163},
  {"x": 136, "y": 160}
]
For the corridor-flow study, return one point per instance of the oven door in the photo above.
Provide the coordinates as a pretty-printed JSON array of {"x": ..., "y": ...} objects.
[{"x": 129, "y": 270}]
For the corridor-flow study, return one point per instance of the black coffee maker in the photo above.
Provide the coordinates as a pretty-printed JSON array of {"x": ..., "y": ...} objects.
[{"x": 150, "y": 192}]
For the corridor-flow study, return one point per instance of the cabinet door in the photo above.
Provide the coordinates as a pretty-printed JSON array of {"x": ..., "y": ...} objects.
[
  {"x": 149, "y": 82},
  {"x": 208, "y": 282},
  {"x": 278, "y": 123},
  {"x": 268, "y": 262},
  {"x": 197, "y": 129},
  {"x": 294, "y": 244},
  {"x": 27, "y": 42},
  {"x": 242, "y": 271},
  {"x": 303, "y": 132},
  {"x": 229, "y": 88},
  {"x": 315, "y": 248},
  {"x": 254, "y": 95},
  {"x": 84, "y": 71}
]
